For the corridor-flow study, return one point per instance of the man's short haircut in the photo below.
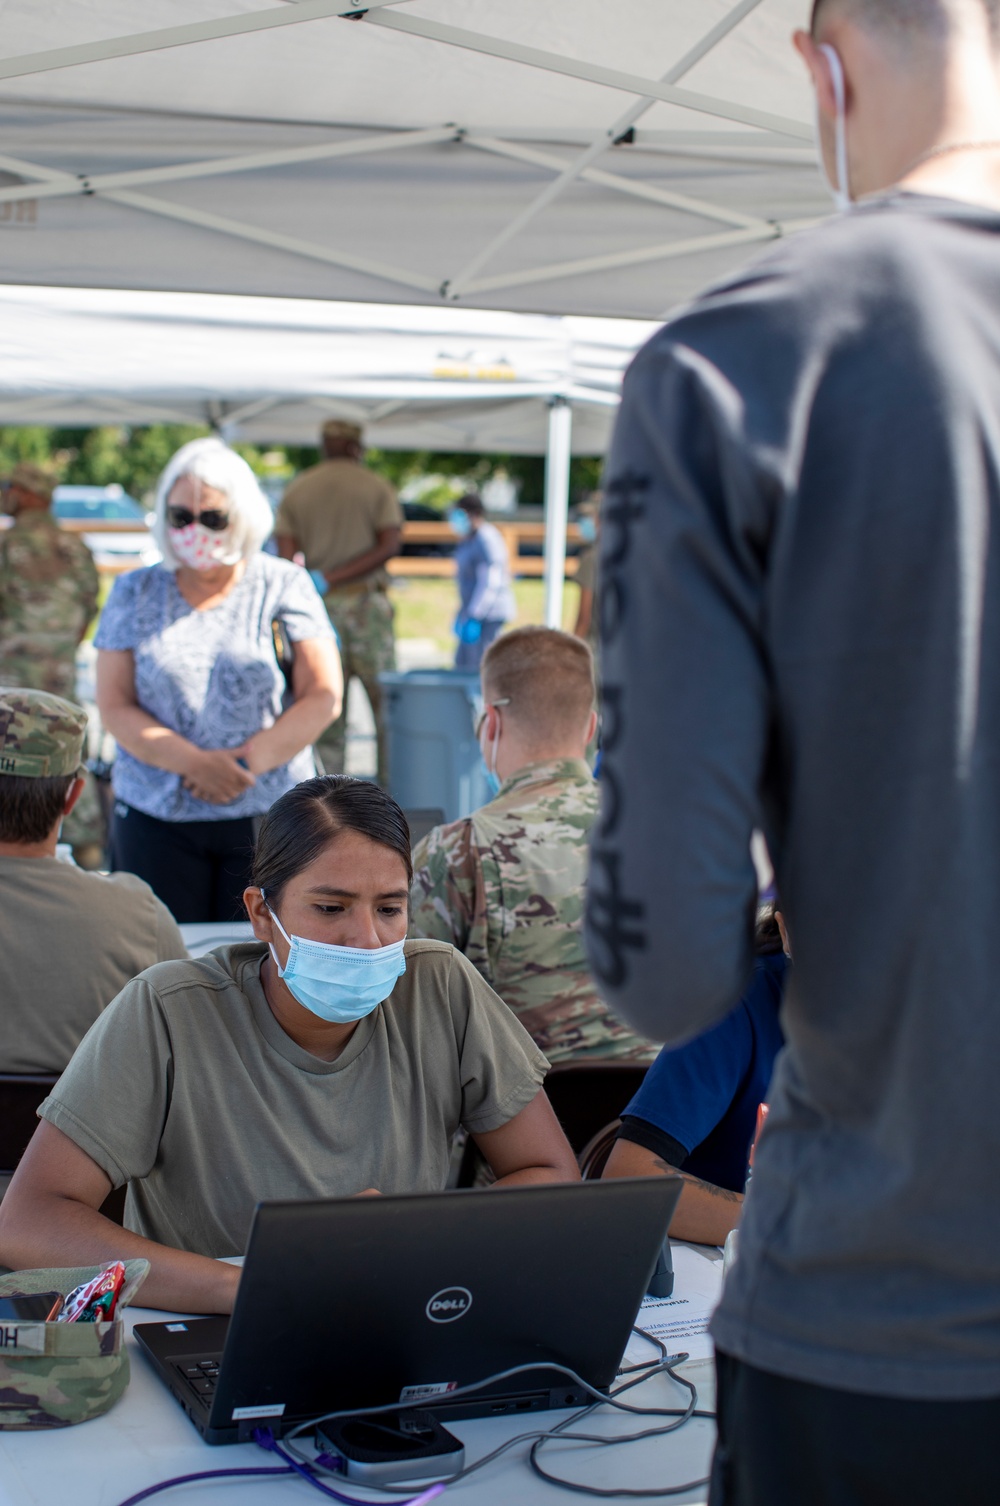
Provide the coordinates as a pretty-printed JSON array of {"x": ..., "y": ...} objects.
[
  {"x": 905, "y": 19},
  {"x": 472, "y": 503},
  {"x": 29, "y": 808},
  {"x": 548, "y": 677}
]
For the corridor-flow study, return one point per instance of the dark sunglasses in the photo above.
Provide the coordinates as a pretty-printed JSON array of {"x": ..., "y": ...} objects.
[{"x": 213, "y": 518}]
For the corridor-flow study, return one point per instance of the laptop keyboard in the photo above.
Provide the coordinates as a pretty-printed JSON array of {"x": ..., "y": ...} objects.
[{"x": 202, "y": 1375}]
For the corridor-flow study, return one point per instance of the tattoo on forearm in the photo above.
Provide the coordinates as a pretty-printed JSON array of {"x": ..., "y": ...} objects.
[{"x": 724, "y": 1193}]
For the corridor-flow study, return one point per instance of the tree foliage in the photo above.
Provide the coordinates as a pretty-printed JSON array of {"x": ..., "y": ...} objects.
[{"x": 134, "y": 458}]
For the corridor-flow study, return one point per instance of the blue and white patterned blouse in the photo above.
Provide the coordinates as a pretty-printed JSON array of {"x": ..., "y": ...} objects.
[{"x": 209, "y": 674}]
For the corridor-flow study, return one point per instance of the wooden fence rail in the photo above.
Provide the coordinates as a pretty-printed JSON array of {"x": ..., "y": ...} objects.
[{"x": 516, "y": 535}]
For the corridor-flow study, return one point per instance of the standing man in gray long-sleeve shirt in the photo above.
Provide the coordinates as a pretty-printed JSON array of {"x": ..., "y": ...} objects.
[{"x": 801, "y": 630}]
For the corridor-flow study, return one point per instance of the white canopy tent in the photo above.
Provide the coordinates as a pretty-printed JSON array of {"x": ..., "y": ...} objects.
[
  {"x": 568, "y": 158},
  {"x": 513, "y": 155},
  {"x": 271, "y": 370}
]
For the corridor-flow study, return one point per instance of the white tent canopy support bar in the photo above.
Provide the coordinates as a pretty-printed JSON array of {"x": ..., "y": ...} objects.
[
  {"x": 213, "y": 138},
  {"x": 594, "y": 73},
  {"x": 180, "y": 36},
  {"x": 455, "y": 36}
]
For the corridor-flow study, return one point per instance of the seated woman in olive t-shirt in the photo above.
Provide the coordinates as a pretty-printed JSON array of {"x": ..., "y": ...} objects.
[{"x": 328, "y": 1058}]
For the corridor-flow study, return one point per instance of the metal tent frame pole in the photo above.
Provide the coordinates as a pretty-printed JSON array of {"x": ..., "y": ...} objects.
[{"x": 557, "y": 458}]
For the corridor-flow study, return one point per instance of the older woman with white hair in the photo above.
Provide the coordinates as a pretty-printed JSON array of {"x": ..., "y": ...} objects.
[{"x": 211, "y": 727}]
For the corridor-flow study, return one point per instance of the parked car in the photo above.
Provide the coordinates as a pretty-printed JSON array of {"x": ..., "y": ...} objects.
[{"x": 105, "y": 505}]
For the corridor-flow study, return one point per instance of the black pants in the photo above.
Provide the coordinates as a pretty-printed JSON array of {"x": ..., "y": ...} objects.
[
  {"x": 198, "y": 868},
  {"x": 788, "y": 1443}
]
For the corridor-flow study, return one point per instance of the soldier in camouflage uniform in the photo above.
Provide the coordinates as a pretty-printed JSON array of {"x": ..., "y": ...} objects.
[
  {"x": 506, "y": 885},
  {"x": 363, "y": 621},
  {"x": 48, "y": 589},
  {"x": 347, "y": 522},
  {"x": 48, "y": 597}
]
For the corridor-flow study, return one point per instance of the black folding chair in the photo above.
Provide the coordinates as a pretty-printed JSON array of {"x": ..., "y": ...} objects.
[
  {"x": 588, "y": 1098},
  {"x": 421, "y": 820},
  {"x": 20, "y": 1095},
  {"x": 597, "y": 1152},
  {"x": 587, "y": 1095}
]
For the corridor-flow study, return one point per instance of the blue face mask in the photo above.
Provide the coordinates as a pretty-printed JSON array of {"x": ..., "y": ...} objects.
[
  {"x": 459, "y": 520},
  {"x": 588, "y": 530},
  {"x": 340, "y": 984},
  {"x": 493, "y": 780}
]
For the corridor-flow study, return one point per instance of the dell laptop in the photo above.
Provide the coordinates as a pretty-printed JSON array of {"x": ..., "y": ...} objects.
[{"x": 356, "y": 1302}]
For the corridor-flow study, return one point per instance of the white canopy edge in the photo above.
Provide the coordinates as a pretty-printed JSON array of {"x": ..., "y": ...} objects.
[{"x": 270, "y": 370}]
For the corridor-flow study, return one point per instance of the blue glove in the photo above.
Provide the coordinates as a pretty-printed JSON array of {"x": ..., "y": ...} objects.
[{"x": 470, "y": 631}]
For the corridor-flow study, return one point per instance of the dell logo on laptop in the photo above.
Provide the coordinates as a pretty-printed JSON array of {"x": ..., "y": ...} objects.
[{"x": 447, "y": 1305}]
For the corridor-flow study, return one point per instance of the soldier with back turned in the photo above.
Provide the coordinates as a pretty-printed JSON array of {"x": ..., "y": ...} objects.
[
  {"x": 347, "y": 522},
  {"x": 506, "y": 884}
]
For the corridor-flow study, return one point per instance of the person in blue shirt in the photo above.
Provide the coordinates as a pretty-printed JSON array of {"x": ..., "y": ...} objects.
[
  {"x": 484, "y": 588},
  {"x": 696, "y": 1111}
]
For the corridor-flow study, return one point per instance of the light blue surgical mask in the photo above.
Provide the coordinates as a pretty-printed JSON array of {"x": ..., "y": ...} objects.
[
  {"x": 588, "y": 530},
  {"x": 340, "y": 984},
  {"x": 459, "y": 520}
]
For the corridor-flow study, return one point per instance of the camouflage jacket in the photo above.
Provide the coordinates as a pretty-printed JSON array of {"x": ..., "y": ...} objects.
[
  {"x": 506, "y": 886},
  {"x": 48, "y": 595}
]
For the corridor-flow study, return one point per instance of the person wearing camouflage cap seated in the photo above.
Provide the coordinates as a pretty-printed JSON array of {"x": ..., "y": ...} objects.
[
  {"x": 506, "y": 885},
  {"x": 70, "y": 940}
]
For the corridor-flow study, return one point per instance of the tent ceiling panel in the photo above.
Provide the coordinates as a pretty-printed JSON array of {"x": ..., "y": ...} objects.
[
  {"x": 516, "y": 199},
  {"x": 334, "y": 71}
]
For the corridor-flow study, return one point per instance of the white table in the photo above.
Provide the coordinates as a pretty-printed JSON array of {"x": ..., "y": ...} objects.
[
  {"x": 202, "y": 936},
  {"x": 146, "y": 1437}
]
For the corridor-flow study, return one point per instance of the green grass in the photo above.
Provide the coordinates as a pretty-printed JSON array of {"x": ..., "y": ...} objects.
[
  {"x": 106, "y": 582},
  {"x": 425, "y": 608}
]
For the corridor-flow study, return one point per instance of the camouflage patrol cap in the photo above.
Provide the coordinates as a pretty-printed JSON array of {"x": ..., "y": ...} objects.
[
  {"x": 41, "y": 735},
  {"x": 336, "y": 428},
  {"x": 55, "y": 1374},
  {"x": 34, "y": 479}
]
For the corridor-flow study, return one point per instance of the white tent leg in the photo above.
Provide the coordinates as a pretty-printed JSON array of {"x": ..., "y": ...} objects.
[{"x": 557, "y": 458}]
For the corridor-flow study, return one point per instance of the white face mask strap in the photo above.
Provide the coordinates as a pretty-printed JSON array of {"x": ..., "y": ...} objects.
[
  {"x": 494, "y": 745},
  {"x": 277, "y": 922},
  {"x": 842, "y": 192}
]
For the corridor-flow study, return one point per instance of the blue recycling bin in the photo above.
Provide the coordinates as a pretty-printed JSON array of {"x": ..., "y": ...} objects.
[{"x": 434, "y": 758}]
